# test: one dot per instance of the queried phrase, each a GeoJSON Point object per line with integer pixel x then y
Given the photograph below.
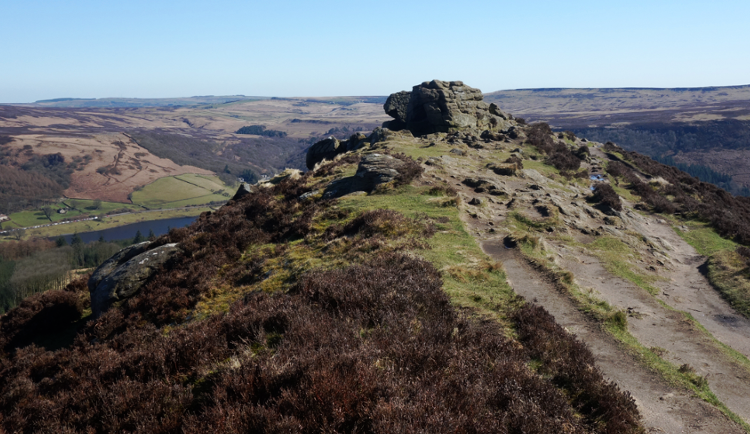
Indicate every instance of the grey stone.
{"type": "Point", "coordinates": [504, 169]}
{"type": "Point", "coordinates": [373, 170]}
{"type": "Point", "coordinates": [325, 149]}
{"type": "Point", "coordinates": [115, 261]}
{"type": "Point", "coordinates": [376, 169]}
{"type": "Point", "coordinates": [457, 152]}
{"type": "Point", "coordinates": [243, 190]}
{"type": "Point", "coordinates": [443, 106]}
{"type": "Point", "coordinates": [534, 176]}
{"type": "Point", "coordinates": [356, 141]}
{"type": "Point", "coordinates": [125, 279]}
{"type": "Point", "coordinates": [395, 106]}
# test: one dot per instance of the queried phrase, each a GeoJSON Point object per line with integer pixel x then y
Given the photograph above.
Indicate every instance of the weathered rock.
{"type": "Point", "coordinates": [442, 106]}
{"type": "Point", "coordinates": [325, 149]}
{"type": "Point", "coordinates": [356, 141]}
{"type": "Point", "coordinates": [242, 191]}
{"type": "Point", "coordinates": [278, 178]}
{"type": "Point", "coordinates": [124, 274]}
{"type": "Point", "coordinates": [373, 170]}
{"type": "Point", "coordinates": [504, 169]}
{"type": "Point", "coordinates": [492, 136]}
{"type": "Point", "coordinates": [395, 106]}
{"type": "Point", "coordinates": [376, 169]}
{"type": "Point", "coordinates": [495, 110]}
{"type": "Point", "coordinates": [482, 185]}
{"type": "Point", "coordinates": [115, 261]}
{"type": "Point", "coordinates": [534, 176]}
{"type": "Point", "coordinates": [457, 152]}
{"type": "Point", "coordinates": [475, 201]}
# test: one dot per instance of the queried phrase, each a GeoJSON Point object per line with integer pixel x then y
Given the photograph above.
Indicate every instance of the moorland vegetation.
{"type": "Point", "coordinates": [355, 297]}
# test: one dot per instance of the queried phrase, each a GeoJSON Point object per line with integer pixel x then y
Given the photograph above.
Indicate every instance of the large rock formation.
{"type": "Point", "coordinates": [442, 106]}
{"type": "Point", "coordinates": [328, 149]}
{"type": "Point", "coordinates": [325, 149]}
{"type": "Point", "coordinates": [122, 275]}
{"type": "Point", "coordinates": [373, 170]}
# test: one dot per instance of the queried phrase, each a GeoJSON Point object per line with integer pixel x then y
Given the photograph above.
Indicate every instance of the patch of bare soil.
{"type": "Point", "coordinates": [654, 325]}
{"type": "Point", "coordinates": [687, 289]}
{"type": "Point", "coordinates": [664, 408]}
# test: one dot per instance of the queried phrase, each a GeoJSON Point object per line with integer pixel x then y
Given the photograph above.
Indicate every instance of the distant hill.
{"type": "Point", "coordinates": [705, 127]}
{"type": "Point", "coordinates": [143, 102]}
{"type": "Point", "coordinates": [597, 107]}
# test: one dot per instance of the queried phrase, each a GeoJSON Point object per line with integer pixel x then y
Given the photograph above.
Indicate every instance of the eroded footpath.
{"type": "Point", "coordinates": [664, 408]}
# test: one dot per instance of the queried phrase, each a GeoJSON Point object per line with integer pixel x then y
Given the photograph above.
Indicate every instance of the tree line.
{"type": "Point", "coordinates": [34, 266]}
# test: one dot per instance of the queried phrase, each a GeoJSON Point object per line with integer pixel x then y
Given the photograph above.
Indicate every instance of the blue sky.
{"type": "Point", "coordinates": [174, 48]}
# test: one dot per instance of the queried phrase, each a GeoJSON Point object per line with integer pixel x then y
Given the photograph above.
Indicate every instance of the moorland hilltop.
{"type": "Point", "coordinates": [455, 270]}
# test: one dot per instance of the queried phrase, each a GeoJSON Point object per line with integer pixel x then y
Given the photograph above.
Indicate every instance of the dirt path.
{"type": "Point", "coordinates": [664, 408]}
{"type": "Point", "coordinates": [688, 290]}
{"type": "Point", "coordinates": [654, 325]}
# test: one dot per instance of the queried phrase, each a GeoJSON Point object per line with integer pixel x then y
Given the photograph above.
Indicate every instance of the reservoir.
{"type": "Point", "coordinates": [160, 227]}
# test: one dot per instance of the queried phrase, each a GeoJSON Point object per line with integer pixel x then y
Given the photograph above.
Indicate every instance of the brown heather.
{"type": "Point", "coordinates": [729, 215]}
{"type": "Point", "coordinates": [373, 348]}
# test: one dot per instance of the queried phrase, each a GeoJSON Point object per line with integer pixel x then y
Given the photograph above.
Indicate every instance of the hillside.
{"type": "Point", "coordinates": [92, 150]}
{"type": "Point", "coordinates": [460, 271]}
{"type": "Point", "coordinates": [706, 127]}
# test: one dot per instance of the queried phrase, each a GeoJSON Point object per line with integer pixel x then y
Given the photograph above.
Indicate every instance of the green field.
{"type": "Point", "coordinates": [182, 190]}
{"type": "Point", "coordinates": [110, 222]}
{"type": "Point", "coordinates": [82, 206]}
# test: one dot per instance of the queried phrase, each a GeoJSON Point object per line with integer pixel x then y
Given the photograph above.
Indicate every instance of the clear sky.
{"type": "Point", "coordinates": [170, 48]}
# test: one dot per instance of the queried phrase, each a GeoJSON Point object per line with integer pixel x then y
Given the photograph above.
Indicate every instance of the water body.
{"type": "Point", "coordinates": [160, 227]}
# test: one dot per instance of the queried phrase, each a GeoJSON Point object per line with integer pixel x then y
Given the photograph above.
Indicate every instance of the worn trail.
{"type": "Point", "coordinates": [664, 408]}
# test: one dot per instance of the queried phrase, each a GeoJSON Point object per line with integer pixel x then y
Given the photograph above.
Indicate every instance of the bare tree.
{"type": "Point", "coordinates": [18, 234]}
{"type": "Point", "coordinates": [97, 203]}
{"type": "Point", "coordinates": [48, 212]}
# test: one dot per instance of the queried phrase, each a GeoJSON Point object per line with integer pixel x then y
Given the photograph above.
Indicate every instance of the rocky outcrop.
{"type": "Point", "coordinates": [376, 169]}
{"type": "Point", "coordinates": [122, 275]}
{"type": "Point", "coordinates": [443, 106]}
{"type": "Point", "coordinates": [325, 149]}
{"type": "Point", "coordinates": [328, 149]}
{"type": "Point", "coordinates": [395, 107]}
{"type": "Point", "coordinates": [505, 169]}
{"type": "Point", "coordinates": [481, 185]}
{"type": "Point", "coordinates": [373, 170]}
{"type": "Point", "coordinates": [243, 190]}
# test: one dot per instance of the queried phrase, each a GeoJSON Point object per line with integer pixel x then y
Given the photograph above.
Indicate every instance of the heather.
{"type": "Point", "coordinates": [286, 314]}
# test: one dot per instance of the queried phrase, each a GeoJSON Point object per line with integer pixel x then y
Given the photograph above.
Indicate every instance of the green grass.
{"type": "Point", "coordinates": [614, 253]}
{"type": "Point", "coordinates": [703, 237]}
{"type": "Point", "coordinates": [85, 206]}
{"type": "Point", "coordinates": [730, 275]}
{"type": "Point", "coordinates": [468, 278]}
{"type": "Point", "coordinates": [106, 223]}
{"type": "Point", "coordinates": [182, 190]}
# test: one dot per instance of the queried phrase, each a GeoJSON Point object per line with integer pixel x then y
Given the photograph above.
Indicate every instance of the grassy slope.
{"type": "Point", "coordinates": [183, 190]}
